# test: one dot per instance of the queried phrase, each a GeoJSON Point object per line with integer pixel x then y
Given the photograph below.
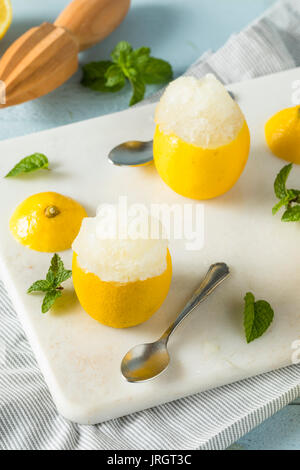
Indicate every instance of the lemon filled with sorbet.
{"type": "Point", "coordinates": [120, 280]}
{"type": "Point", "coordinates": [201, 141]}
{"type": "Point", "coordinates": [47, 222]}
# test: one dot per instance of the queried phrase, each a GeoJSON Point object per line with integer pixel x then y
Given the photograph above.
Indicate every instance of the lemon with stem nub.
{"type": "Point", "coordinates": [47, 222]}
{"type": "Point", "coordinates": [120, 282]}
{"type": "Point", "coordinates": [202, 141]}
{"type": "Point", "coordinates": [282, 133]}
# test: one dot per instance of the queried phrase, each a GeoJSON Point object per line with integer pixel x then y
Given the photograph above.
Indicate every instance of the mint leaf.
{"type": "Point", "coordinates": [63, 276]}
{"type": "Point", "coordinates": [94, 71]}
{"type": "Point", "coordinates": [156, 71]}
{"type": "Point", "coordinates": [249, 314]}
{"type": "Point", "coordinates": [49, 299]}
{"type": "Point", "coordinates": [55, 268]}
{"type": "Point", "coordinates": [42, 286]}
{"type": "Point", "coordinates": [258, 316]}
{"type": "Point", "coordinates": [283, 202]}
{"type": "Point", "coordinates": [292, 214]}
{"type": "Point", "coordinates": [119, 53]}
{"type": "Point", "coordinates": [50, 277]}
{"type": "Point", "coordinates": [138, 88]}
{"type": "Point", "coordinates": [94, 76]}
{"type": "Point", "coordinates": [57, 272]}
{"type": "Point", "coordinates": [56, 264]}
{"type": "Point", "coordinates": [114, 76]}
{"type": "Point", "coordinates": [280, 181]}
{"type": "Point", "coordinates": [140, 57]}
{"type": "Point", "coordinates": [141, 52]}
{"type": "Point", "coordinates": [52, 284]}
{"type": "Point", "coordinates": [296, 192]}
{"type": "Point", "coordinates": [36, 161]}
{"type": "Point", "coordinates": [264, 316]}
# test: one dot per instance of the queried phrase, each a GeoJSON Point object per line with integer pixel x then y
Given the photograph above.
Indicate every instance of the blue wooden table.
{"type": "Point", "coordinates": [176, 30]}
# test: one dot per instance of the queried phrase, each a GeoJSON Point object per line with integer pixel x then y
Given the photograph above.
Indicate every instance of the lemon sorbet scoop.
{"type": "Point", "coordinates": [47, 222]}
{"type": "Point", "coordinates": [282, 133]}
{"type": "Point", "coordinates": [201, 141]}
{"type": "Point", "coordinates": [120, 282]}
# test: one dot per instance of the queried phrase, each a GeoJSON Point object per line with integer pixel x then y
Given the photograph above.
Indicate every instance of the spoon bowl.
{"type": "Point", "coordinates": [145, 361]}
{"type": "Point", "coordinates": [132, 153]}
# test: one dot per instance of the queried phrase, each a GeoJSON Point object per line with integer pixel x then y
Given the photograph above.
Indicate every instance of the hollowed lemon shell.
{"type": "Point", "coordinates": [120, 305]}
{"type": "Point", "coordinates": [196, 172]}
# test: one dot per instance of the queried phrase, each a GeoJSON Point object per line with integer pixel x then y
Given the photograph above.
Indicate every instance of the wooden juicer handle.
{"type": "Point", "coordinates": [46, 56]}
{"type": "Point", "coordinates": [90, 21]}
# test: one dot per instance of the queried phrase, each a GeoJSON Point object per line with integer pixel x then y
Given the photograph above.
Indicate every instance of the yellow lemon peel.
{"type": "Point", "coordinates": [5, 16]}
{"type": "Point", "coordinates": [196, 172]}
{"type": "Point", "coordinates": [120, 305]}
{"type": "Point", "coordinates": [47, 222]}
{"type": "Point", "coordinates": [282, 133]}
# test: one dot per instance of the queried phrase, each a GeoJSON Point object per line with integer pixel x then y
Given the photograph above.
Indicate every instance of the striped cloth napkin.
{"type": "Point", "coordinates": [209, 420]}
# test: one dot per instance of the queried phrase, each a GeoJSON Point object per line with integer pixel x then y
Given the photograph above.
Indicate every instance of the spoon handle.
{"type": "Point", "coordinates": [214, 276]}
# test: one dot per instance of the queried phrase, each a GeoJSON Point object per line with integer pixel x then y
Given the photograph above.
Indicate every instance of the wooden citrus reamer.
{"type": "Point", "coordinates": [46, 56]}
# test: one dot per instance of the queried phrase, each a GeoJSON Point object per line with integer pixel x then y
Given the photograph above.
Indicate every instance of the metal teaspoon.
{"type": "Point", "coordinates": [146, 361]}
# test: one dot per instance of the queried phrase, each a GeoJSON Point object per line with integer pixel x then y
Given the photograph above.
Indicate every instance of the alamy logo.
{"type": "Point", "coordinates": [2, 92]}
{"type": "Point", "coordinates": [176, 221]}
{"type": "Point", "coordinates": [296, 354]}
{"type": "Point", "coordinates": [296, 92]}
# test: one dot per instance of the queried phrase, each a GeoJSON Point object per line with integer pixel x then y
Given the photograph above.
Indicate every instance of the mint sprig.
{"type": "Point", "coordinates": [36, 161]}
{"type": "Point", "coordinates": [258, 316]}
{"type": "Point", "coordinates": [52, 284]}
{"type": "Point", "coordinates": [134, 65]}
{"type": "Point", "coordinates": [288, 198]}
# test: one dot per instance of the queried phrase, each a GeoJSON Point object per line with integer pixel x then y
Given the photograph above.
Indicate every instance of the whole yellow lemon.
{"type": "Point", "coordinates": [282, 133]}
{"type": "Point", "coordinates": [47, 222]}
